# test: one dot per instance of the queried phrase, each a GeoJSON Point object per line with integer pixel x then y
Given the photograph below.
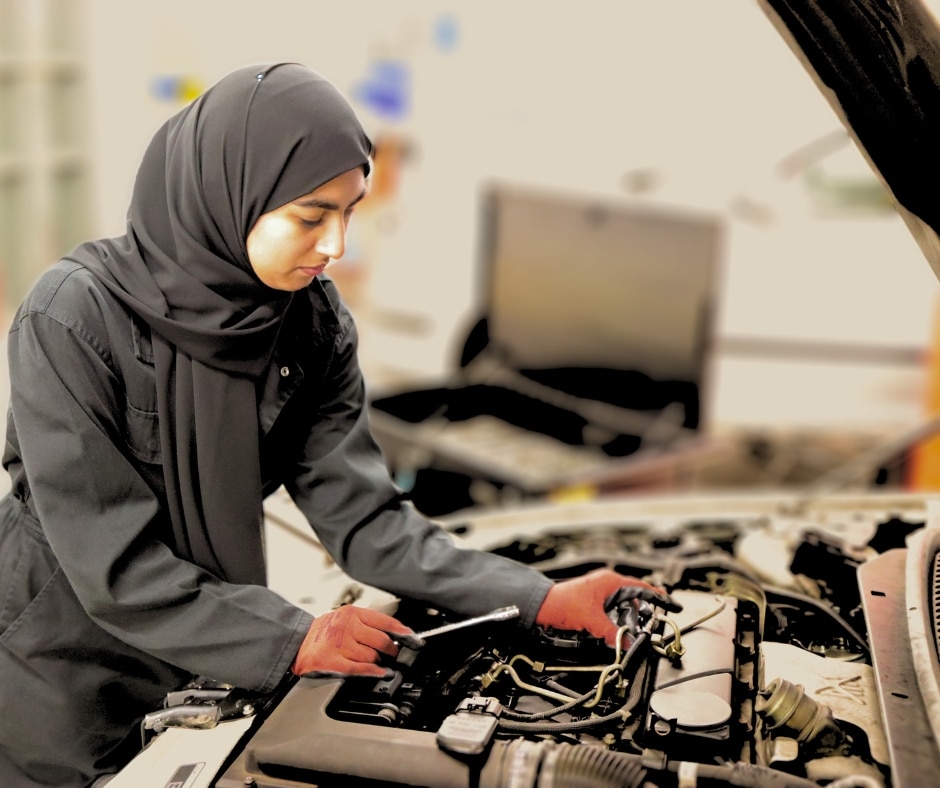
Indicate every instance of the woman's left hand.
{"type": "Point", "coordinates": [579, 604]}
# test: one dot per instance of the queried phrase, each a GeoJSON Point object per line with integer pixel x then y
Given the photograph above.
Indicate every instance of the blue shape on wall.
{"type": "Point", "coordinates": [386, 89]}
{"type": "Point", "coordinates": [446, 32]}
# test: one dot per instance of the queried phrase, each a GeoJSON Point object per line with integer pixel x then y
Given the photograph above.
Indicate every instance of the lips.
{"type": "Point", "coordinates": [313, 271]}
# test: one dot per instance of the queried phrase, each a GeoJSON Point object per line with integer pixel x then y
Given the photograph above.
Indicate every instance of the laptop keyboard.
{"type": "Point", "coordinates": [513, 454]}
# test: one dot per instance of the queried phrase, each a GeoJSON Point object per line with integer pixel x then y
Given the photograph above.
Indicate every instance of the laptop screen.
{"type": "Point", "coordinates": [575, 282]}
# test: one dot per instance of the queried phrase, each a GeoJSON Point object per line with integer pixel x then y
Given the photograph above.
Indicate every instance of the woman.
{"type": "Point", "coordinates": [163, 383]}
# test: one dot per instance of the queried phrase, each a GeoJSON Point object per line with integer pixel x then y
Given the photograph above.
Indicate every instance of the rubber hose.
{"type": "Point", "coordinates": [562, 689]}
{"type": "Point", "coordinates": [574, 766]}
{"type": "Point", "coordinates": [747, 775]}
{"type": "Point", "coordinates": [509, 714]}
{"type": "Point", "coordinates": [560, 727]}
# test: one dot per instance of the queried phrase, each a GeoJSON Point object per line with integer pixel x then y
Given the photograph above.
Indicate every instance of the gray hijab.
{"type": "Point", "coordinates": [261, 137]}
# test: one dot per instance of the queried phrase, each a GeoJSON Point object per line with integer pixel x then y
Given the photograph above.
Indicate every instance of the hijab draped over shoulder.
{"type": "Point", "coordinates": [261, 137]}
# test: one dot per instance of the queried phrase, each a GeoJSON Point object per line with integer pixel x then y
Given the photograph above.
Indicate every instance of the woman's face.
{"type": "Point", "coordinates": [289, 246]}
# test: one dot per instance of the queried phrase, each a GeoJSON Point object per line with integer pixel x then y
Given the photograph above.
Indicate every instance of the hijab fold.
{"type": "Point", "coordinates": [258, 139]}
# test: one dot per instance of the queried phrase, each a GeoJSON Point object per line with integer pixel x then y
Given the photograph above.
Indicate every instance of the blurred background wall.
{"type": "Point", "coordinates": [827, 304]}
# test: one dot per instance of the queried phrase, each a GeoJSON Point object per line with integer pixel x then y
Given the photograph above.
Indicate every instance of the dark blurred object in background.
{"type": "Point", "coordinates": [589, 358]}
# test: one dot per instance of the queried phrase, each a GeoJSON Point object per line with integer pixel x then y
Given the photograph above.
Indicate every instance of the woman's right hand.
{"type": "Point", "coordinates": [349, 641]}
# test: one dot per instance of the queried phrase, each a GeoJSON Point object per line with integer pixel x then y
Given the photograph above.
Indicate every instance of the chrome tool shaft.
{"type": "Point", "coordinates": [500, 614]}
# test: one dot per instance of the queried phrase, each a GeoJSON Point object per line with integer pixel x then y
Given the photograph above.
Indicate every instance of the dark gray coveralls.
{"type": "Point", "coordinates": [98, 618]}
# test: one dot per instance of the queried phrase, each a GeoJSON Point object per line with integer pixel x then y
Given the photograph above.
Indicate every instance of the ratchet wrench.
{"type": "Point", "coordinates": [500, 614]}
{"type": "Point", "coordinates": [411, 643]}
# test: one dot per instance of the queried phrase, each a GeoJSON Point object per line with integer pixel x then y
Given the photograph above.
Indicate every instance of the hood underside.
{"type": "Point", "coordinates": [878, 64]}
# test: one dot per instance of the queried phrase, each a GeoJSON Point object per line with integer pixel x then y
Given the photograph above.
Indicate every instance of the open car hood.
{"type": "Point", "coordinates": [877, 62]}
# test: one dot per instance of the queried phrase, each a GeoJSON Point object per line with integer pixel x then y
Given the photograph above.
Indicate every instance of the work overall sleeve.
{"type": "Point", "coordinates": [104, 522]}
{"type": "Point", "coordinates": [343, 488]}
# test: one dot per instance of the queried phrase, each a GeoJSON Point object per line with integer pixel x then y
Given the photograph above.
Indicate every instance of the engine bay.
{"type": "Point", "coordinates": [765, 676]}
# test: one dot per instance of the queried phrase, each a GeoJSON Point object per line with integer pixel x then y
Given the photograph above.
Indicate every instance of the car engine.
{"type": "Point", "coordinates": [764, 677]}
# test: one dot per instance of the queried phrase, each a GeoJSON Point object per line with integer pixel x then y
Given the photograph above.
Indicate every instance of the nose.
{"type": "Point", "coordinates": [332, 242]}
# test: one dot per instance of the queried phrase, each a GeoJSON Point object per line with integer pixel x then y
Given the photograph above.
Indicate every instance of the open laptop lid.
{"type": "Point", "coordinates": [878, 64]}
{"type": "Point", "coordinates": [576, 282]}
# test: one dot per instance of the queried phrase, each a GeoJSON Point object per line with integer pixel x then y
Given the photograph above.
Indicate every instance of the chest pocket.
{"type": "Point", "coordinates": [143, 434]}
{"type": "Point", "coordinates": [141, 424]}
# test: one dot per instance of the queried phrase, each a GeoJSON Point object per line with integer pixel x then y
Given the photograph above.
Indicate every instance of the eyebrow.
{"type": "Point", "coordinates": [325, 204]}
